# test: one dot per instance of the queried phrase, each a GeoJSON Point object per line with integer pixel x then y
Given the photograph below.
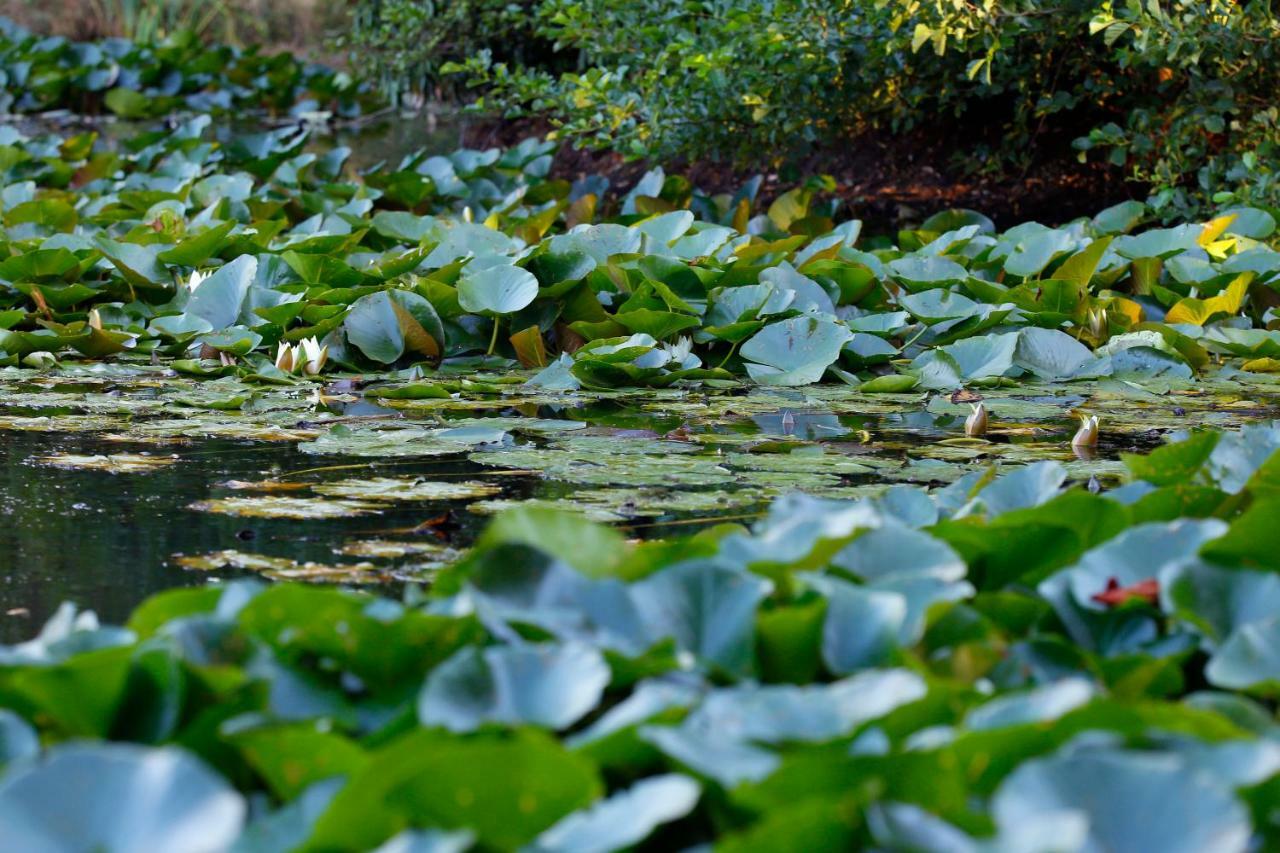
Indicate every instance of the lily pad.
{"type": "Point", "coordinates": [273, 506]}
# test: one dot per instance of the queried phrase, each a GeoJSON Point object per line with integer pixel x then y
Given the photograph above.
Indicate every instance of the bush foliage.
{"type": "Point", "coordinates": [1176, 93]}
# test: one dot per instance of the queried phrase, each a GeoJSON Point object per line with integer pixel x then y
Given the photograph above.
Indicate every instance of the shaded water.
{"type": "Point", "coordinates": [107, 540]}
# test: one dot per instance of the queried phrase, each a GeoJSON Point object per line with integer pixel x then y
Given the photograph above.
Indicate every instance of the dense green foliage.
{"type": "Point", "coordinates": [1001, 664]}
{"type": "Point", "coordinates": [178, 75]}
{"type": "Point", "coordinates": [1176, 94]}
{"type": "Point", "coordinates": [184, 248]}
{"type": "Point", "coordinates": [966, 657]}
{"type": "Point", "coordinates": [407, 43]}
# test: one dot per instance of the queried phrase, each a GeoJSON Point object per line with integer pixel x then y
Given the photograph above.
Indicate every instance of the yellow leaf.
{"type": "Point", "coordinates": [582, 210]}
{"type": "Point", "coordinates": [1199, 311]}
{"type": "Point", "coordinates": [1189, 310]}
{"type": "Point", "coordinates": [1219, 248]}
{"type": "Point", "coordinates": [416, 338]}
{"type": "Point", "coordinates": [759, 248]}
{"type": "Point", "coordinates": [741, 215]}
{"type": "Point", "coordinates": [1214, 228]}
{"type": "Point", "coordinates": [1080, 267]}
{"type": "Point", "coordinates": [789, 207]}
{"type": "Point", "coordinates": [1231, 299]}
{"type": "Point", "coordinates": [1127, 308]}
{"type": "Point", "coordinates": [1263, 365]}
{"type": "Point", "coordinates": [529, 347]}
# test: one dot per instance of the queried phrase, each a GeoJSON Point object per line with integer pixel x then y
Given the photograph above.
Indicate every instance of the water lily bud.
{"type": "Point", "coordinates": [312, 356]}
{"type": "Point", "coordinates": [40, 360]}
{"type": "Point", "coordinates": [284, 357]}
{"type": "Point", "coordinates": [976, 423]}
{"type": "Point", "coordinates": [95, 320]}
{"type": "Point", "coordinates": [226, 358]}
{"type": "Point", "coordinates": [1098, 325]}
{"type": "Point", "coordinates": [1087, 435]}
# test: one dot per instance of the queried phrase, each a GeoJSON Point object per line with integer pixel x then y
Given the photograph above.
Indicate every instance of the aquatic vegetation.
{"type": "Point", "coordinates": [284, 507]}
{"type": "Point", "coordinates": [261, 260]}
{"type": "Point", "coordinates": [116, 463]}
{"type": "Point", "coordinates": [972, 662]}
{"type": "Point", "coordinates": [182, 73]}
{"type": "Point", "coordinates": [797, 534]}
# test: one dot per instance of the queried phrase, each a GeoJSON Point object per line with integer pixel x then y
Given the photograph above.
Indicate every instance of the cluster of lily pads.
{"type": "Point", "coordinates": [215, 256]}
{"type": "Point", "coordinates": [181, 74]}
{"type": "Point", "coordinates": [1002, 664]}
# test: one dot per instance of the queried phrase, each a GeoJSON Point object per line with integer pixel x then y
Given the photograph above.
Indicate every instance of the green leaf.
{"type": "Point", "coordinates": [140, 799]}
{"type": "Point", "coordinates": [1080, 267]}
{"type": "Point", "coordinates": [593, 549]}
{"type": "Point", "coordinates": [292, 757]}
{"type": "Point", "coordinates": [1174, 464]}
{"type": "Point", "coordinates": [127, 103]}
{"type": "Point", "coordinates": [390, 323]}
{"type": "Point", "coordinates": [496, 290]}
{"type": "Point", "coordinates": [506, 787]}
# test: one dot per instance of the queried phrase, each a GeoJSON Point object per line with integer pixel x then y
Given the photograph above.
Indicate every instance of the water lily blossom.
{"type": "Point", "coordinates": [310, 357]}
{"type": "Point", "coordinates": [1087, 435]}
{"type": "Point", "coordinates": [679, 350]}
{"type": "Point", "coordinates": [976, 424]}
{"type": "Point", "coordinates": [95, 320]}
{"type": "Point", "coordinates": [307, 358]}
{"type": "Point", "coordinates": [194, 281]}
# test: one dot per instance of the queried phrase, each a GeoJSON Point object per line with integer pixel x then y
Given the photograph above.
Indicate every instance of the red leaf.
{"type": "Point", "coordinates": [1115, 595]}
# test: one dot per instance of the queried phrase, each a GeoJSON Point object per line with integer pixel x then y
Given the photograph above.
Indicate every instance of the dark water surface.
{"type": "Point", "coordinates": [107, 541]}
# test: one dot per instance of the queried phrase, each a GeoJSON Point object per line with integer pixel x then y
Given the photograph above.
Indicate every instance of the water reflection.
{"type": "Point", "coordinates": [106, 541]}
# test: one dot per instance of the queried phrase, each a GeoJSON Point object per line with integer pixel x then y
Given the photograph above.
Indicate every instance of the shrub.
{"type": "Point", "coordinates": [1178, 95]}
{"type": "Point", "coordinates": [404, 43]}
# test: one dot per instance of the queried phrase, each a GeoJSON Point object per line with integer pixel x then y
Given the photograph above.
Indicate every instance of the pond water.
{"type": "Point", "coordinates": [109, 540]}
{"type": "Point", "coordinates": [653, 462]}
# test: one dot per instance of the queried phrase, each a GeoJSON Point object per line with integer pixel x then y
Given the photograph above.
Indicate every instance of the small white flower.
{"type": "Point", "coordinates": [1087, 435]}
{"type": "Point", "coordinates": [976, 423]}
{"type": "Point", "coordinates": [95, 320]}
{"type": "Point", "coordinates": [194, 281]}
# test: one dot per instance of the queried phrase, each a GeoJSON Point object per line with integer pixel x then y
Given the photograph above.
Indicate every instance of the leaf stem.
{"type": "Point", "coordinates": [493, 341]}
{"type": "Point", "coordinates": [728, 355]}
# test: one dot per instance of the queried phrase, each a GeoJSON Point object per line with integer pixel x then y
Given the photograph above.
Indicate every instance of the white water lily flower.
{"type": "Point", "coordinates": [1087, 435]}
{"type": "Point", "coordinates": [679, 350]}
{"type": "Point", "coordinates": [284, 357]}
{"type": "Point", "coordinates": [976, 423]}
{"type": "Point", "coordinates": [194, 281]}
{"type": "Point", "coordinates": [95, 320]}
{"type": "Point", "coordinates": [310, 357]}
